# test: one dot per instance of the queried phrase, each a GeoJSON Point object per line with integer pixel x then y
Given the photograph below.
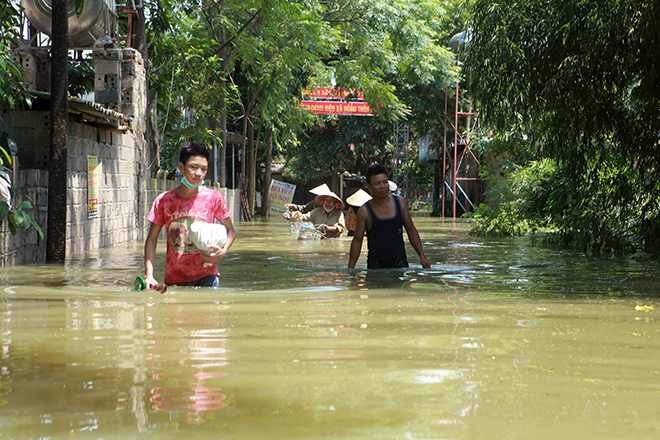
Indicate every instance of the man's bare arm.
{"type": "Point", "coordinates": [413, 235]}
{"type": "Point", "coordinates": [150, 254]}
{"type": "Point", "coordinates": [356, 244]}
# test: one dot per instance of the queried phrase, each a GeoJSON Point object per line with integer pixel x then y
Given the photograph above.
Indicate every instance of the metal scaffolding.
{"type": "Point", "coordinates": [460, 176]}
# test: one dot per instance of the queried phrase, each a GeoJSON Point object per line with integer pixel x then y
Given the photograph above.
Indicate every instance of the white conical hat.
{"type": "Point", "coordinates": [320, 190]}
{"type": "Point", "coordinates": [392, 185]}
{"type": "Point", "coordinates": [326, 192]}
{"type": "Point", "coordinates": [358, 198]}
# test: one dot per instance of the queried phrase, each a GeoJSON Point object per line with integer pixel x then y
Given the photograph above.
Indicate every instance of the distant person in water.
{"type": "Point", "coordinates": [304, 209]}
{"type": "Point", "coordinates": [327, 217]}
{"type": "Point", "coordinates": [176, 210]}
{"type": "Point", "coordinates": [383, 218]}
{"type": "Point", "coordinates": [357, 199]}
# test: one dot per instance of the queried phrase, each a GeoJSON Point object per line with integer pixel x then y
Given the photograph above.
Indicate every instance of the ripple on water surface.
{"type": "Point", "coordinates": [498, 339]}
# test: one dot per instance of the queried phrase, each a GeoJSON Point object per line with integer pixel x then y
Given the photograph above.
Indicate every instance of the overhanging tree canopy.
{"type": "Point", "coordinates": [581, 80]}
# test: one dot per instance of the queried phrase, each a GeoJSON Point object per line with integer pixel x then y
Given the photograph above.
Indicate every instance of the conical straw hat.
{"type": "Point", "coordinates": [320, 190]}
{"type": "Point", "coordinates": [359, 198]}
{"type": "Point", "coordinates": [326, 192]}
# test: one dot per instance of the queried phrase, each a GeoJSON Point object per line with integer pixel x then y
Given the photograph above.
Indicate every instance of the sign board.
{"type": "Point", "coordinates": [332, 101]}
{"type": "Point", "coordinates": [424, 143]}
{"type": "Point", "coordinates": [332, 93]}
{"type": "Point", "coordinates": [280, 194]}
{"type": "Point", "coordinates": [337, 108]}
{"type": "Point", "coordinates": [92, 186]}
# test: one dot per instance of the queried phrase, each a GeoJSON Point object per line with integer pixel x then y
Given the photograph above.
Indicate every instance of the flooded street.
{"type": "Point", "coordinates": [500, 339]}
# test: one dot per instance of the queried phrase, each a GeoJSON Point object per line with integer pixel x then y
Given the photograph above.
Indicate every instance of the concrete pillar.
{"type": "Point", "coordinates": [107, 77]}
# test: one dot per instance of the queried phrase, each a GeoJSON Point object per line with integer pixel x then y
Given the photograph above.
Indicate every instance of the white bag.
{"type": "Point", "coordinates": [309, 232]}
{"type": "Point", "coordinates": [204, 234]}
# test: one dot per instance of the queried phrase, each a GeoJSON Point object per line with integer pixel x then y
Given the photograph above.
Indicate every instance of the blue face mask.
{"type": "Point", "coordinates": [188, 185]}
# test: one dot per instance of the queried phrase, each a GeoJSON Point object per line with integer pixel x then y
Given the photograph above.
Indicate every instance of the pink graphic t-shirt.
{"type": "Point", "coordinates": [176, 214]}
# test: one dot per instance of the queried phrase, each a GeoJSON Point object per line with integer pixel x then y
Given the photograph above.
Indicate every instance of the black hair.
{"type": "Point", "coordinates": [374, 170]}
{"type": "Point", "coordinates": [190, 149]}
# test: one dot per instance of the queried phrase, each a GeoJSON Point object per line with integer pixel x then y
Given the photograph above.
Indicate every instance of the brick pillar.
{"type": "Point", "coordinates": [23, 57]}
{"type": "Point", "coordinates": [107, 77]}
{"type": "Point", "coordinates": [133, 85]}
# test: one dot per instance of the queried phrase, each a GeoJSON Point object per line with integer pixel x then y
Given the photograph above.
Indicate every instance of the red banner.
{"type": "Point", "coordinates": [332, 93]}
{"type": "Point", "coordinates": [337, 108]}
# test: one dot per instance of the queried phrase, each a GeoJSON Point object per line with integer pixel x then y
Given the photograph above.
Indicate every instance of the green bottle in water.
{"type": "Point", "coordinates": [139, 284]}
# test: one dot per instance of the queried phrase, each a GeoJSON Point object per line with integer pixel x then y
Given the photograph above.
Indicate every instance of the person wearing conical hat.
{"type": "Point", "coordinates": [357, 199]}
{"type": "Point", "coordinates": [304, 209]}
{"type": "Point", "coordinates": [392, 186]}
{"type": "Point", "coordinates": [328, 216]}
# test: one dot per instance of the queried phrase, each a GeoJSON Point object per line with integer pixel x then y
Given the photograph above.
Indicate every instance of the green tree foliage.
{"type": "Point", "coordinates": [12, 89]}
{"type": "Point", "coordinates": [13, 92]}
{"type": "Point", "coordinates": [338, 143]}
{"type": "Point", "coordinates": [267, 45]}
{"type": "Point", "coordinates": [580, 80]}
{"type": "Point", "coordinates": [395, 51]}
{"type": "Point", "coordinates": [521, 203]}
{"type": "Point", "coordinates": [81, 77]}
{"type": "Point", "coordinates": [183, 65]}
{"type": "Point", "coordinates": [269, 50]}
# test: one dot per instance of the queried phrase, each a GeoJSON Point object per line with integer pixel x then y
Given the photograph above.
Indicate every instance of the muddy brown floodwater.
{"type": "Point", "coordinates": [500, 339]}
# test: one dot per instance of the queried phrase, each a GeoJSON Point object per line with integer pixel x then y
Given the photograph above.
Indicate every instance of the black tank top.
{"type": "Point", "coordinates": [385, 239]}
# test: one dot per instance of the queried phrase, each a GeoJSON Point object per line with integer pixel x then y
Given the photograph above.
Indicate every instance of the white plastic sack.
{"type": "Point", "coordinates": [204, 234]}
{"type": "Point", "coordinates": [5, 184]}
{"type": "Point", "coordinates": [295, 227]}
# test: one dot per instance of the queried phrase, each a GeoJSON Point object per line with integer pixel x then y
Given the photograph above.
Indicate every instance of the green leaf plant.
{"type": "Point", "coordinates": [14, 92]}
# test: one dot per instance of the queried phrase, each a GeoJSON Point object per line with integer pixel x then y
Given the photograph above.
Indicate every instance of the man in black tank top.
{"type": "Point", "coordinates": [383, 219]}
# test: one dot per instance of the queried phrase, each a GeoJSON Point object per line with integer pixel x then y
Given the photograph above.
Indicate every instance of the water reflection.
{"type": "Point", "coordinates": [186, 357]}
{"type": "Point", "coordinates": [499, 339]}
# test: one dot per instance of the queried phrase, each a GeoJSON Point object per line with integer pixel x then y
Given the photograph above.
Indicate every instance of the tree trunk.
{"type": "Point", "coordinates": [139, 42]}
{"type": "Point", "coordinates": [243, 146]}
{"type": "Point", "coordinates": [59, 136]}
{"type": "Point", "coordinates": [151, 135]}
{"type": "Point", "coordinates": [265, 204]}
{"type": "Point", "coordinates": [139, 39]}
{"type": "Point", "coordinates": [222, 151]}
{"type": "Point", "coordinates": [212, 173]}
{"type": "Point", "coordinates": [251, 165]}
{"type": "Point", "coordinates": [437, 179]}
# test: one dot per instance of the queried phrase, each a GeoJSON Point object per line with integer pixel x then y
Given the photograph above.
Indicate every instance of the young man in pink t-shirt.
{"type": "Point", "coordinates": [177, 209]}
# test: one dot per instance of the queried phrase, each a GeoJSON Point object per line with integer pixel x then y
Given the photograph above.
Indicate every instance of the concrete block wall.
{"type": "Point", "coordinates": [233, 201]}
{"type": "Point", "coordinates": [124, 201]}
{"type": "Point", "coordinates": [30, 130]}
{"type": "Point", "coordinates": [35, 64]}
{"type": "Point", "coordinates": [107, 77]}
{"type": "Point", "coordinates": [133, 84]}
{"type": "Point", "coordinates": [125, 196]}
{"type": "Point", "coordinates": [420, 199]}
{"type": "Point", "coordinates": [120, 188]}
{"type": "Point", "coordinates": [26, 246]}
